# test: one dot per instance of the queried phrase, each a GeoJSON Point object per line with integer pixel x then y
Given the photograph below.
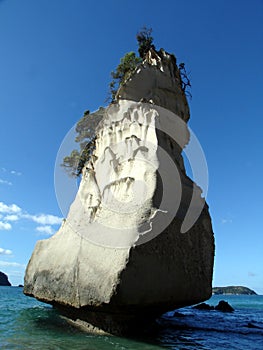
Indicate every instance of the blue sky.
{"type": "Point", "coordinates": [56, 58]}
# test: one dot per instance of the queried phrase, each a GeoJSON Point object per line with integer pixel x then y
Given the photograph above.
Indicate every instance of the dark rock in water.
{"type": "Point", "coordinates": [21, 286]}
{"type": "Point", "coordinates": [221, 306]}
{"type": "Point", "coordinates": [203, 306]}
{"type": "Point", "coordinates": [224, 306]}
{"type": "Point", "coordinates": [251, 325]}
{"type": "Point", "coordinates": [4, 280]}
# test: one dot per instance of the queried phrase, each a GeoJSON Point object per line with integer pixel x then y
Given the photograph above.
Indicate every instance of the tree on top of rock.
{"type": "Point", "coordinates": [130, 61]}
{"type": "Point", "coordinates": [127, 65]}
{"type": "Point", "coordinates": [145, 41]}
{"type": "Point", "coordinates": [86, 127]}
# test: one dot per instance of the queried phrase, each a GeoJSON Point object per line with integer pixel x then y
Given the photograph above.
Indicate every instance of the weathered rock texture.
{"type": "Point", "coordinates": [120, 258]}
{"type": "Point", "coordinates": [4, 280]}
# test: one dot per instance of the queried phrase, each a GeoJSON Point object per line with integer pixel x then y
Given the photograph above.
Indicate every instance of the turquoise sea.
{"type": "Point", "coordinates": [28, 324]}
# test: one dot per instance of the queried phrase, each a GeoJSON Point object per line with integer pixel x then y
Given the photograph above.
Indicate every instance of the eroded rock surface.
{"type": "Point", "coordinates": [120, 258]}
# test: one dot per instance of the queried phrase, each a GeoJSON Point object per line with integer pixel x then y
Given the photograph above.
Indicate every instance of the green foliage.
{"type": "Point", "coordinates": [70, 163]}
{"type": "Point", "coordinates": [145, 41]}
{"type": "Point", "coordinates": [127, 65]}
{"type": "Point", "coordinates": [86, 126]}
{"type": "Point", "coordinates": [130, 61]}
{"type": "Point", "coordinates": [85, 130]}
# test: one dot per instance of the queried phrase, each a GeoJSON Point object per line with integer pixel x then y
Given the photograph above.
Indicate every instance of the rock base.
{"type": "Point", "coordinates": [103, 323]}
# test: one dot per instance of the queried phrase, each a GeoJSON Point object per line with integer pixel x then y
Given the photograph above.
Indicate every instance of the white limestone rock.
{"type": "Point", "coordinates": [157, 80]}
{"type": "Point", "coordinates": [121, 251]}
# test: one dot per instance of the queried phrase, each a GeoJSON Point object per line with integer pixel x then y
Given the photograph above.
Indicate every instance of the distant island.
{"type": "Point", "coordinates": [4, 280]}
{"type": "Point", "coordinates": [236, 290]}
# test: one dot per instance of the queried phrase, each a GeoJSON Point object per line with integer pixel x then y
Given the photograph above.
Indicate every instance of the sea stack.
{"type": "Point", "coordinates": [138, 240]}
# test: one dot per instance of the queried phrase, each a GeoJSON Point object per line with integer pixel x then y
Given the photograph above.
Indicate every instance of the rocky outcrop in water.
{"type": "Point", "coordinates": [221, 306]}
{"type": "Point", "coordinates": [4, 280]}
{"type": "Point", "coordinates": [224, 306]}
{"type": "Point", "coordinates": [204, 306]}
{"type": "Point", "coordinates": [130, 249]}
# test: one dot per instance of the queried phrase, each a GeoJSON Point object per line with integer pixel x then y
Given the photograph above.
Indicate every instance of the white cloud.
{"type": "Point", "coordinates": [14, 264]}
{"type": "Point", "coordinates": [9, 209]}
{"type": "Point", "coordinates": [45, 229]}
{"type": "Point", "coordinates": [5, 226]}
{"type": "Point", "coordinates": [11, 213]}
{"type": "Point", "coordinates": [5, 251]}
{"type": "Point", "coordinates": [14, 172]}
{"type": "Point", "coordinates": [44, 219]}
{"type": "Point", "coordinates": [5, 182]}
{"type": "Point", "coordinates": [226, 221]}
{"type": "Point", "coordinates": [11, 217]}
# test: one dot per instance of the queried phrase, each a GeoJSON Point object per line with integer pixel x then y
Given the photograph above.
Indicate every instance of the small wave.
{"type": "Point", "coordinates": [212, 322]}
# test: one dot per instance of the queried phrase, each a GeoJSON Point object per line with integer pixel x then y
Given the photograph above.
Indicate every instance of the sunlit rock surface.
{"type": "Point", "coordinates": [121, 257]}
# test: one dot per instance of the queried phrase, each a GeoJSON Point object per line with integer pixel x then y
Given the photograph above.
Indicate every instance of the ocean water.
{"type": "Point", "coordinates": [28, 324]}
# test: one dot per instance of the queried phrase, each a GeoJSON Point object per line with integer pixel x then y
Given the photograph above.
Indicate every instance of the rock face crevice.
{"type": "Point", "coordinates": [120, 257]}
